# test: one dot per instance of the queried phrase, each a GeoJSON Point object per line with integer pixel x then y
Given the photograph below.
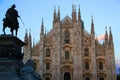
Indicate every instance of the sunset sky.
{"type": "Point", "coordinates": [105, 13]}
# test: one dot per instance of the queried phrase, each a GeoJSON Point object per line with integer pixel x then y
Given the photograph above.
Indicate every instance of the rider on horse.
{"type": "Point", "coordinates": [11, 20]}
{"type": "Point", "coordinates": [12, 15]}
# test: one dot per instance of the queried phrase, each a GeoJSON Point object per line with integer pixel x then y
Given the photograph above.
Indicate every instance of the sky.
{"type": "Point", "coordinates": [105, 13]}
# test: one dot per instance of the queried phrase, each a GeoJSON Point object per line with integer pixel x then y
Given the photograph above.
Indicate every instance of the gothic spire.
{"type": "Point", "coordinates": [106, 36]}
{"type": "Point", "coordinates": [33, 42]}
{"type": "Point", "coordinates": [42, 27]}
{"type": "Point", "coordinates": [110, 37]}
{"type": "Point", "coordinates": [26, 37]}
{"type": "Point", "coordinates": [29, 33]}
{"type": "Point", "coordinates": [58, 15]}
{"type": "Point", "coordinates": [74, 13]}
{"type": "Point", "coordinates": [92, 26]}
{"type": "Point", "coordinates": [110, 34]}
{"type": "Point", "coordinates": [79, 14]}
{"type": "Point", "coordinates": [42, 30]}
{"type": "Point", "coordinates": [29, 39]}
{"type": "Point", "coordinates": [54, 15]}
{"type": "Point", "coordinates": [73, 8]}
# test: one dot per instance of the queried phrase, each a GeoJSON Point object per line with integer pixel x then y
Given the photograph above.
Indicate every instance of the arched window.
{"type": "Point", "coordinates": [100, 65]}
{"type": "Point", "coordinates": [87, 65]}
{"type": "Point", "coordinates": [47, 78]}
{"type": "Point", "coordinates": [67, 55]}
{"type": "Point", "coordinates": [47, 66]}
{"type": "Point", "coordinates": [86, 52]}
{"type": "Point", "coordinates": [67, 36]}
{"type": "Point", "coordinates": [101, 79]}
{"type": "Point", "coordinates": [48, 53]}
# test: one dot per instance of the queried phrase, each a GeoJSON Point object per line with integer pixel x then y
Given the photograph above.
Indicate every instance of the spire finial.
{"type": "Point", "coordinates": [58, 10]}
{"type": "Point", "coordinates": [54, 8]}
{"type": "Point", "coordinates": [26, 36]}
{"type": "Point", "coordinates": [110, 29]}
{"type": "Point", "coordinates": [58, 7]}
{"type": "Point", "coordinates": [73, 7]}
{"type": "Point", "coordinates": [42, 20]}
{"type": "Point", "coordinates": [110, 38]}
{"type": "Point", "coordinates": [79, 14]}
{"type": "Point", "coordinates": [106, 29]}
{"type": "Point", "coordinates": [79, 8]}
{"type": "Point", "coordinates": [29, 31]}
{"type": "Point", "coordinates": [73, 13]}
{"type": "Point", "coordinates": [26, 31]}
{"type": "Point", "coordinates": [42, 27]}
{"type": "Point", "coordinates": [33, 41]}
{"type": "Point", "coordinates": [54, 14]}
{"type": "Point", "coordinates": [45, 31]}
{"type": "Point", "coordinates": [92, 25]}
{"type": "Point", "coordinates": [58, 15]}
{"type": "Point", "coordinates": [92, 18]}
{"type": "Point", "coordinates": [42, 23]}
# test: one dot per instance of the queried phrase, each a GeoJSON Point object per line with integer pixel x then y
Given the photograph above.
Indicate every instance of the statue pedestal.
{"type": "Point", "coordinates": [10, 57]}
{"type": "Point", "coordinates": [9, 70]}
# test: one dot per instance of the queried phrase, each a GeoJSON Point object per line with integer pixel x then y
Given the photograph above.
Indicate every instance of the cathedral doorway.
{"type": "Point", "coordinates": [47, 78]}
{"type": "Point", "coordinates": [101, 78]}
{"type": "Point", "coordinates": [67, 76]}
{"type": "Point", "coordinates": [87, 78]}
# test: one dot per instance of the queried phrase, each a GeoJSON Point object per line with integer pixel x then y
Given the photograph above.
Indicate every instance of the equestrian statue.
{"type": "Point", "coordinates": [11, 20]}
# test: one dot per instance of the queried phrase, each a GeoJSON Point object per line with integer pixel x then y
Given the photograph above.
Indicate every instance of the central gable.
{"type": "Point", "coordinates": [66, 22]}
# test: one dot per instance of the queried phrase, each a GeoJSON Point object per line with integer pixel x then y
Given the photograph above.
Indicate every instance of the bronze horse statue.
{"type": "Point", "coordinates": [8, 23]}
{"type": "Point", "coordinates": [10, 20]}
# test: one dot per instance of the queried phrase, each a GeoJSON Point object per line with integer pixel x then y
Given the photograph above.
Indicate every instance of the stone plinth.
{"type": "Point", "coordinates": [10, 47]}
{"type": "Point", "coordinates": [9, 69]}
{"type": "Point", "coordinates": [10, 57]}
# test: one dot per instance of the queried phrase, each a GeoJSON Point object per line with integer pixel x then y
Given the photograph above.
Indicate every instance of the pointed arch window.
{"type": "Point", "coordinates": [67, 36]}
{"type": "Point", "coordinates": [86, 52]}
{"type": "Point", "coordinates": [101, 65]}
{"type": "Point", "coordinates": [67, 55]}
{"type": "Point", "coordinates": [48, 53]}
{"type": "Point", "coordinates": [87, 65]}
{"type": "Point", "coordinates": [47, 66]}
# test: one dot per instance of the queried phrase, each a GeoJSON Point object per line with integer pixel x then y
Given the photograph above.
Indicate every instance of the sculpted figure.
{"type": "Point", "coordinates": [28, 72]}
{"type": "Point", "coordinates": [11, 20]}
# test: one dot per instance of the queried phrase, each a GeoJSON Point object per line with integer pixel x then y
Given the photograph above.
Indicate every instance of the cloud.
{"type": "Point", "coordinates": [101, 38]}
{"type": "Point", "coordinates": [117, 62]}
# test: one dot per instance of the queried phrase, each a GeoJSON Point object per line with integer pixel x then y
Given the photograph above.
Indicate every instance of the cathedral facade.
{"type": "Point", "coordinates": [69, 52]}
